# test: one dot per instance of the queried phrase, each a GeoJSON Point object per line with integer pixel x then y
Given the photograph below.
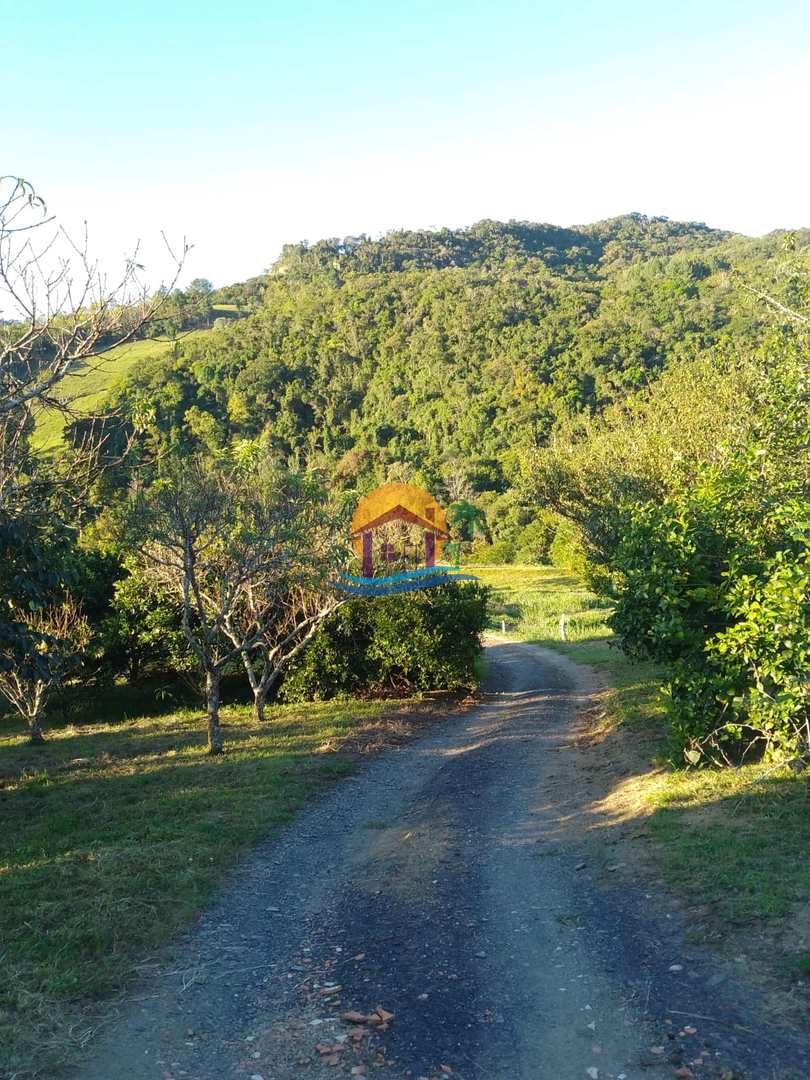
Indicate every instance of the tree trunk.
{"type": "Point", "coordinates": [262, 689]}
{"type": "Point", "coordinates": [212, 699]}
{"type": "Point", "coordinates": [259, 700]}
{"type": "Point", "coordinates": [35, 735]}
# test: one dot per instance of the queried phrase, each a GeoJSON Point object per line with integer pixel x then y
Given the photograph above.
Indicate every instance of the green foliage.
{"type": "Point", "coordinates": [183, 310]}
{"type": "Point", "coordinates": [35, 571]}
{"type": "Point", "coordinates": [688, 502]}
{"type": "Point", "coordinates": [484, 554]}
{"type": "Point", "coordinates": [654, 442]}
{"type": "Point", "coordinates": [533, 541]}
{"type": "Point", "coordinates": [427, 640]}
{"type": "Point", "coordinates": [713, 581]}
{"type": "Point", "coordinates": [565, 550]}
{"type": "Point", "coordinates": [143, 634]}
{"type": "Point", "coordinates": [605, 373]}
{"type": "Point", "coordinates": [473, 346]}
{"type": "Point", "coordinates": [764, 654]}
{"type": "Point", "coordinates": [467, 521]}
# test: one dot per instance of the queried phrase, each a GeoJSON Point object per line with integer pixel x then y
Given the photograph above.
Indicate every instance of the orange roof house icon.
{"type": "Point", "coordinates": [398, 502]}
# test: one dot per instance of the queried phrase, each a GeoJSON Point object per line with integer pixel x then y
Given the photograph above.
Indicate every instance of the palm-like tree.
{"type": "Point", "coordinates": [468, 521]}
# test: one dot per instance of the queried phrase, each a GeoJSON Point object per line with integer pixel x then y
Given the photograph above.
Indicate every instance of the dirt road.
{"type": "Point", "coordinates": [438, 884]}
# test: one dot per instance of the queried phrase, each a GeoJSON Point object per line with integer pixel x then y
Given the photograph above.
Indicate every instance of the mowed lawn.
{"type": "Point", "coordinates": [114, 835]}
{"type": "Point", "coordinates": [731, 841]}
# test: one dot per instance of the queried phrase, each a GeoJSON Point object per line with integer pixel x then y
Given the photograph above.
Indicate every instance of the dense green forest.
{"type": "Point", "coordinates": [626, 399]}
{"type": "Point", "coordinates": [449, 357]}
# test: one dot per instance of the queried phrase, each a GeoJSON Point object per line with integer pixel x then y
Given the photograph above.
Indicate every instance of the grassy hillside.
{"type": "Point", "coordinates": [88, 389]}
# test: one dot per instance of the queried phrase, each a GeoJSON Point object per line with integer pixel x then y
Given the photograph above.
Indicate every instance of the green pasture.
{"type": "Point", "coordinates": [87, 388]}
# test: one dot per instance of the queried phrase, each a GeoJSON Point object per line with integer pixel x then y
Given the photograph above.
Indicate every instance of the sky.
{"type": "Point", "coordinates": [245, 125]}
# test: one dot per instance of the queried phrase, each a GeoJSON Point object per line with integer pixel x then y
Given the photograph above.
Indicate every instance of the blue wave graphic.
{"type": "Point", "coordinates": [425, 577]}
{"type": "Point", "coordinates": [404, 575]}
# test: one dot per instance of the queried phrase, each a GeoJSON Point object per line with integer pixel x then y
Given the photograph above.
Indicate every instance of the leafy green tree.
{"type": "Point", "coordinates": [533, 541]}
{"type": "Point", "coordinates": [713, 582]}
{"type": "Point", "coordinates": [143, 631]}
{"type": "Point", "coordinates": [652, 443]}
{"type": "Point", "coordinates": [483, 554]}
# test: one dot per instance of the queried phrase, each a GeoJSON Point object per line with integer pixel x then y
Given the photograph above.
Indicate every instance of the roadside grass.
{"type": "Point", "coordinates": [114, 835]}
{"type": "Point", "coordinates": [737, 839]}
{"type": "Point", "coordinates": [730, 842]}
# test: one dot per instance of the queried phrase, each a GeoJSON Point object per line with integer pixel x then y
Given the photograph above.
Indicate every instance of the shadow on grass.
{"type": "Point", "coordinates": [113, 703]}
{"type": "Point", "coordinates": [739, 837]}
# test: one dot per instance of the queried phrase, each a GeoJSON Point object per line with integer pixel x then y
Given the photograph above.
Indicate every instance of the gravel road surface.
{"type": "Point", "coordinates": [433, 885]}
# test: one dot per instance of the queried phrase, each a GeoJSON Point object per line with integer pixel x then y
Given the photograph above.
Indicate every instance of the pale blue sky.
{"type": "Point", "coordinates": [243, 125]}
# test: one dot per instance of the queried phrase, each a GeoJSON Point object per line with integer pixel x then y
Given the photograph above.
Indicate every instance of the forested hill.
{"type": "Point", "coordinates": [444, 356]}
{"type": "Point", "coordinates": [578, 249]}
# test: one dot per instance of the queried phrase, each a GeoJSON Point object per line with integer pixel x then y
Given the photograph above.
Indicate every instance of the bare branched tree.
{"type": "Point", "coordinates": [281, 611]}
{"type": "Point", "coordinates": [61, 633]}
{"type": "Point", "coordinates": [223, 537]}
{"type": "Point", "coordinates": [59, 312]}
{"type": "Point", "coordinates": [456, 481]}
